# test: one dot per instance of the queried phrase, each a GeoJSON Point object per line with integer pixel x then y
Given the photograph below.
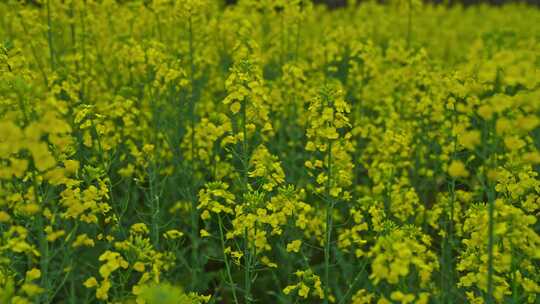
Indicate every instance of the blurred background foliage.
{"type": "Point", "coordinates": [341, 3]}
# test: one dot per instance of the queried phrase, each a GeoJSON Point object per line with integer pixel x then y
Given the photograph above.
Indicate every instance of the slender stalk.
{"type": "Point", "coordinates": [193, 213]}
{"type": "Point", "coordinates": [192, 93]}
{"type": "Point", "coordinates": [34, 51]}
{"type": "Point", "coordinates": [447, 278]}
{"type": "Point", "coordinates": [515, 283]}
{"type": "Point", "coordinates": [71, 14]}
{"type": "Point", "coordinates": [353, 284]}
{"type": "Point", "coordinates": [328, 230]}
{"type": "Point", "coordinates": [43, 244]}
{"type": "Point", "coordinates": [297, 41]}
{"type": "Point", "coordinates": [282, 30]}
{"type": "Point", "coordinates": [50, 35]}
{"type": "Point", "coordinates": [490, 192]}
{"type": "Point", "coordinates": [244, 147]}
{"type": "Point", "coordinates": [247, 268]}
{"type": "Point", "coordinates": [409, 25]}
{"type": "Point", "coordinates": [247, 255]}
{"type": "Point", "coordinates": [158, 25]}
{"type": "Point", "coordinates": [155, 182]}
{"type": "Point", "coordinates": [155, 206]}
{"type": "Point", "coordinates": [83, 47]}
{"type": "Point", "coordinates": [491, 211]}
{"type": "Point", "coordinates": [68, 251]}
{"type": "Point", "coordinates": [226, 260]}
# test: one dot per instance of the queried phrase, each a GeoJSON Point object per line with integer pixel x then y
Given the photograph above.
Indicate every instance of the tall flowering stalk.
{"type": "Point", "coordinates": [248, 109]}
{"type": "Point", "coordinates": [328, 141]}
{"type": "Point", "coordinates": [192, 11]}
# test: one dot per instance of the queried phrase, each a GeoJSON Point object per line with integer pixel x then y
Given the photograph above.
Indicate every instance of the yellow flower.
{"type": "Point", "coordinates": [287, 290]}
{"type": "Point", "coordinates": [294, 246]}
{"type": "Point", "coordinates": [148, 149]}
{"type": "Point", "coordinates": [71, 166]}
{"type": "Point", "coordinates": [457, 169]}
{"type": "Point", "coordinates": [485, 111]}
{"type": "Point", "coordinates": [470, 139]}
{"type": "Point", "coordinates": [266, 261]}
{"type": "Point", "coordinates": [530, 157]}
{"type": "Point", "coordinates": [383, 300]}
{"type": "Point", "coordinates": [33, 274]}
{"type": "Point", "coordinates": [503, 125]}
{"type": "Point", "coordinates": [4, 217]}
{"type": "Point", "coordinates": [235, 107]}
{"type": "Point", "coordinates": [401, 297]}
{"type": "Point", "coordinates": [205, 215]}
{"type": "Point", "coordinates": [90, 282]}
{"type": "Point", "coordinates": [139, 228]}
{"type": "Point", "coordinates": [513, 143]}
{"type": "Point", "coordinates": [138, 266]}
{"type": "Point", "coordinates": [204, 233]}
{"type": "Point", "coordinates": [527, 123]}
{"type": "Point", "coordinates": [31, 290]}
{"type": "Point", "coordinates": [31, 208]}
{"type": "Point", "coordinates": [83, 240]}
{"type": "Point", "coordinates": [362, 297]}
{"type": "Point", "coordinates": [53, 235]}
{"type": "Point", "coordinates": [303, 291]}
{"type": "Point", "coordinates": [102, 292]}
{"type": "Point", "coordinates": [173, 234]}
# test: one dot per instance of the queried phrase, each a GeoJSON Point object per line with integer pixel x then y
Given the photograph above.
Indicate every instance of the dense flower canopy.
{"type": "Point", "coordinates": [268, 152]}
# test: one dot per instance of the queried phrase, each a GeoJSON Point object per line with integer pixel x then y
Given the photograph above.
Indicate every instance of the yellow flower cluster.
{"type": "Point", "coordinates": [394, 255]}
{"type": "Point", "coordinates": [310, 284]}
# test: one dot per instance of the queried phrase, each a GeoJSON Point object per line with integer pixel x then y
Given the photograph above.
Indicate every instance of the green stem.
{"type": "Point", "coordinates": [50, 35]}
{"type": "Point", "coordinates": [353, 284]}
{"type": "Point", "coordinates": [491, 211]}
{"type": "Point", "coordinates": [82, 17]}
{"type": "Point", "coordinates": [226, 260]}
{"type": "Point", "coordinates": [515, 283]}
{"type": "Point", "coordinates": [155, 206]}
{"type": "Point", "coordinates": [491, 163]}
{"type": "Point", "coordinates": [244, 147]}
{"type": "Point", "coordinates": [328, 230]}
{"type": "Point", "coordinates": [409, 25]}
{"type": "Point", "coordinates": [43, 244]}
{"type": "Point", "coordinates": [247, 268]}
{"type": "Point", "coordinates": [247, 255]}
{"type": "Point", "coordinates": [447, 282]}
{"type": "Point", "coordinates": [34, 51]}
{"type": "Point", "coordinates": [193, 213]}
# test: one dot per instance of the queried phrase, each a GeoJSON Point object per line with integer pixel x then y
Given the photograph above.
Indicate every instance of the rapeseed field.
{"type": "Point", "coordinates": [272, 151]}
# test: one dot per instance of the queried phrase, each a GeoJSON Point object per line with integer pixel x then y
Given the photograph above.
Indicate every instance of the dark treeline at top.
{"type": "Point", "coordinates": [340, 3]}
